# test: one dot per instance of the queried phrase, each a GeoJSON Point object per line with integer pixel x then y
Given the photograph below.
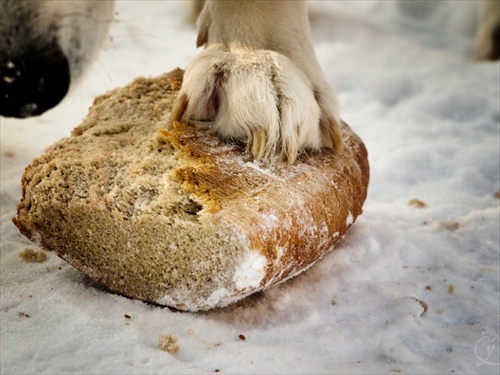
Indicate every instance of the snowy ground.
{"type": "Point", "coordinates": [410, 289]}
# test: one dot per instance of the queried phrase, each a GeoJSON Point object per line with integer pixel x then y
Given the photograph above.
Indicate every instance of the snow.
{"type": "Point", "coordinates": [251, 271]}
{"type": "Point", "coordinates": [412, 288]}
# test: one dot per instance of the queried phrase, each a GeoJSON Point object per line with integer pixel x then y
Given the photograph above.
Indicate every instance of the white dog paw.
{"type": "Point", "coordinates": [259, 97]}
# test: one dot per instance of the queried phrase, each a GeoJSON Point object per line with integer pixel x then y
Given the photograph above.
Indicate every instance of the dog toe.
{"type": "Point", "coordinates": [259, 97]}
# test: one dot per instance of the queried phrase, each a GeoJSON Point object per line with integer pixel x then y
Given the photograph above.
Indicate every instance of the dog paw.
{"type": "Point", "coordinates": [259, 97]}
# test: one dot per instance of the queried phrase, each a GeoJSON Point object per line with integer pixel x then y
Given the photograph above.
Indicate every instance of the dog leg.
{"type": "Point", "coordinates": [195, 8]}
{"type": "Point", "coordinates": [259, 81]}
{"type": "Point", "coordinates": [488, 32]}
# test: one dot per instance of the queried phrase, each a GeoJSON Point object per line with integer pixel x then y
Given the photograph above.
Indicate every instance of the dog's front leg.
{"type": "Point", "coordinates": [488, 31]}
{"type": "Point", "coordinates": [259, 81]}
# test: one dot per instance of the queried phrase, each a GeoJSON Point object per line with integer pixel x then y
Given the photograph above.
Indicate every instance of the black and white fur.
{"type": "Point", "coordinates": [46, 45]}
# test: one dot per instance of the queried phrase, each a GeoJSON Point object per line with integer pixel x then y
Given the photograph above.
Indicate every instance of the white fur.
{"type": "Point", "coordinates": [261, 90]}
{"type": "Point", "coordinates": [261, 71]}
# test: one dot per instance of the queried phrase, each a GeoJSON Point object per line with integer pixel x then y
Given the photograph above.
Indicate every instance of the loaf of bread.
{"type": "Point", "coordinates": [179, 217]}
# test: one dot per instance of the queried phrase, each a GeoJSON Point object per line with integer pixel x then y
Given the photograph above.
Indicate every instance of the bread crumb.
{"type": "Point", "coordinates": [423, 304]}
{"type": "Point", "coordinates": [417, 203]}
{"type": "Point", "coordinates": [428, 287]}
{"type": "Point", "coordinates": [33, 256]}
{"type": "Point", "coordinates": [450, 225]}
{"type": "Point", "coordinates": [451, 289]}
{"type": "Point", "coordinates": [334, 303]}
{"type": "Point", "coordinates": [168, 343]}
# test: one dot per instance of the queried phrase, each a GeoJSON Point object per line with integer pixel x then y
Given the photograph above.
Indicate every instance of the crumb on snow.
{"type": "Point", "coordinates": [33, 256]}
{"type": "Point", "coordinates": [168, 343]}
{"type": "Point", "coordinates": [415, 202]}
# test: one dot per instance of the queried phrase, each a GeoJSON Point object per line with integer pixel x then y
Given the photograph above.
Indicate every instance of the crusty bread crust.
{"type": "Point", "coordinates": [180, 217]}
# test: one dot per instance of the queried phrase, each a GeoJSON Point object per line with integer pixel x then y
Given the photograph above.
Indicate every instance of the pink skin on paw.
{"type": "Point", "coordinates": [212, 97]}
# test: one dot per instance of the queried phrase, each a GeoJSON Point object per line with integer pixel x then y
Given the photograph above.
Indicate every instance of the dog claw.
{"type": "Point", "coordinates": [331, 136]}
{"type": "Point", "coordinates": [178, 110]}
{"type": "Point", "coordinates": [291, 157]}
{"type": "Point", "coordinates": [259, 143]}
{"type": "Point", "coordinates": [336, 139]}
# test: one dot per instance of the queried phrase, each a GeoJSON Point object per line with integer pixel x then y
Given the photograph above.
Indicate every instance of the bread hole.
{"type": "Point", "coordinates": [192, 208]}
{"type": "Point", "coordinates": [163, 145]}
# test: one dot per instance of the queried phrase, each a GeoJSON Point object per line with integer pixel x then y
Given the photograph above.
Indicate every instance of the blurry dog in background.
{"type": "Point", "coordinates": [258, 79]}
{"type": "Point", "coordinates": [44, 47]}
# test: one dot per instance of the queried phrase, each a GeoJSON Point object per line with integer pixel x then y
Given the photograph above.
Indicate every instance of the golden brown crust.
{"type": "Point", "coordinates": [179, 217]}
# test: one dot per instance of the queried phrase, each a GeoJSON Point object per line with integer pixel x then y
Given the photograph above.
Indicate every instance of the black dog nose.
{"type": "Point", "coordinates": [33, 82]}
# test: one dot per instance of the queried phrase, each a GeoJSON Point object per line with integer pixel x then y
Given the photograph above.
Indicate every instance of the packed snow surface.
{"type": "Point", "coordinates": [412, 288]}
